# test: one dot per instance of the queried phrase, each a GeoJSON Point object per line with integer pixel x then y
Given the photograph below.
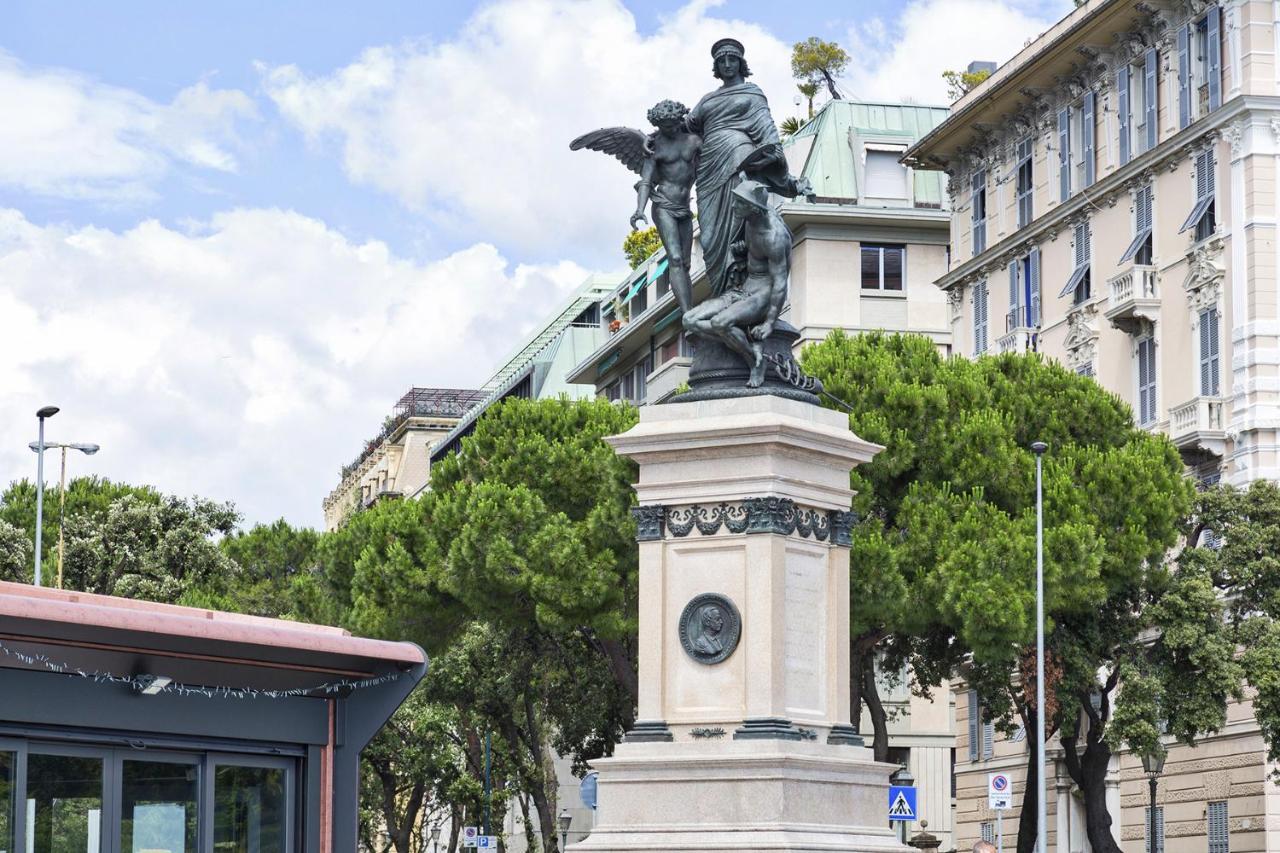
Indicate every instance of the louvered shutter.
{"type": "Point", "coordinates": [974, 727]}
{"type": "Point", "coordinates": [1143, 382]}
{"type": "Point", "coordinates": [1213, 26]}
{"type": "Point", "coordinates": [1064, 154]}
{"type": "Point", "coordinates": [1184, 76]}
{"type": "Point", "coordinates": [1012, 320]}
{"type": "Point", "coordinates": [1151, 95]}
{"type": "Point", "coordinates": [980, 321]}
{"type": "Point", "coordinates": [1086, 135]}
{"type": "Point", "coordinates": [1209, 359]}
{"type": "Point", "coordinates": [1144, 209]}
{"type": "Point", "coordinates": [1034, 261]}
{"type": "Point", "coordinates": [988, 740]}
{"type": "Point", "coordinates": [1154, 829]}
{"type": "Point", "coordinates": [1122, 92]}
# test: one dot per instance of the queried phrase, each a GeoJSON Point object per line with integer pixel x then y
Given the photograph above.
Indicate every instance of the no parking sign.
{"type": "Point", "coordinates": [999, 791]}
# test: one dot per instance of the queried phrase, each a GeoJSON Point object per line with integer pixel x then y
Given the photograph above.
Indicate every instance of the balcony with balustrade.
{"type": "Point", "coordinates": [1198, 426]}
{"type": "Point", "coordinates": [1019, 340]}
{"type": "Point", "coordinates": [1133, 298]}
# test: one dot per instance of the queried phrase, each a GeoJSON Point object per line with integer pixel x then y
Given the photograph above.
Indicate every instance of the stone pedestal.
{"type": "Point", "coordinates": [743, 527]}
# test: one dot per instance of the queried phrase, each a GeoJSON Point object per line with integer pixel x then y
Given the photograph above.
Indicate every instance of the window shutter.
{"type": "Point", "coordinates": [1151, 96]}
{"type": "Point", "coordinates": [1064, 154]}
{"type": "Point", "coordinates": [978, 201]}
{"type": "Point", "coordinates": [1122, 93]}
{"type": "Point", "coordinates": [980, 324]}
{"type": "Point", "coordinates": [1209, 358]}
{"type": "Point", "coordinates": [1086, 135]}
{"type": "Point", "coordinates": [1015, 294]}
{"type": "Point", "coordinates": [1154, 829]}
{"type": "Point", "coordinates": [1034, 260]}
{"type": "Point", "coordinates": [1184, 75]}
{"type": "Point", "coordinates": [1144, 209]}
{"type": "Point", "coordinates": [1214, 36]}
{"type": "Point", "coordinates": [988, 740]}
{"type": "Point", "coordinates": [973, 725]}
{"type": "Point", "coordinates": [1205, 354]}
{"type": "Point", "coordinates": [1204, 174]}
{"type": "Point", "coordinates": [1219, 837]}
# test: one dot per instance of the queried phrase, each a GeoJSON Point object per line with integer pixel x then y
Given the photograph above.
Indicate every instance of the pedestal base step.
{"type": "Point", "coordinates": [741, 795]}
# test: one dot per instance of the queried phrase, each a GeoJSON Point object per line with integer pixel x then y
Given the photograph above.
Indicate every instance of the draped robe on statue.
{"type": "Point", "coordinates": [735, 124]}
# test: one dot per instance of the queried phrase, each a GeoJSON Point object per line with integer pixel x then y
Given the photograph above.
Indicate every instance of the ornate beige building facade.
{"type": "Point", "coordinates": [1114, 207]}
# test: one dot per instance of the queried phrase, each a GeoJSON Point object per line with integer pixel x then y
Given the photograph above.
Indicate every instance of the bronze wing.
{"type": "Point", "coordinates": [626, 143]}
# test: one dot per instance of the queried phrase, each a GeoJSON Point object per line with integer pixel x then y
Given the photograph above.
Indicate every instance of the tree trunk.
{"type": "Point", "coordinates": [831, 84]}
{"type": "Point", "coordinates": [879, 717]}
{"type": "Point", "coordinates": [542, 802]}
{"type": "Point", "coordinates": [529, 843]}
{"type": "Point", "coordinates": [1030, 799]}
{"type": "Point", "coordinates": [455, 826]}
{"type": "Point", "coordinates": [1089, 772]}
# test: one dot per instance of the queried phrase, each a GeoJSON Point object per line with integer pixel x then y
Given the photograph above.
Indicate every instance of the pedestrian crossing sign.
{"type": "Point", "coordinates": [902, 802]}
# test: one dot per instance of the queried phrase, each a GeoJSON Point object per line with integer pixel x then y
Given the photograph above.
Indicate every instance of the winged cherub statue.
{"type": "Point", "coordinates": [666, 161]}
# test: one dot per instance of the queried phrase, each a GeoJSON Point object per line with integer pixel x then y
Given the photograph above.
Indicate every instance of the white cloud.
{"type": "Point", "coordinates": [245, 358]}
{"type": "Point", "coordinates": [904, 58]}
{"type": "Point", "coordinates": [67, 135]}
{"type": "Point", "coordinates": [474, 131]}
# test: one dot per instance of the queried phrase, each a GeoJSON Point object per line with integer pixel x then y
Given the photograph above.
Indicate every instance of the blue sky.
{"type": "Point", "coordinates": [231, 234]}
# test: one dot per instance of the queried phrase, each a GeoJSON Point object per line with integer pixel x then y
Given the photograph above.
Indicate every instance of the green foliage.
{"type": "Point", "coordinates": [276, 562]}
{"type": "Point", "coordinates": [790, 126]}
{"type": "Point", "coordinates": [120, 540]}
{"type": "Point", "coordinates": [961, 83]}
{"type": "Point", "coordinates": [1242, 561]}
{"type": "Point", "coordinates": [815, 61]}
{"type": "Point", "coordinates": [810, 91]}
{"type": "Point", "coordinates": [518, 571]}
{"type": "Point", "coordinates": [87, 497]}
{"type": "Point", "coordinates": [639, 245]}
{"type": "Point", "coordinates": [943, 557]}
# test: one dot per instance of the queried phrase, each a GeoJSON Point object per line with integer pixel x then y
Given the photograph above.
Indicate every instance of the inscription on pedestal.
{"type": "Point", "coordinates": [804, 631]}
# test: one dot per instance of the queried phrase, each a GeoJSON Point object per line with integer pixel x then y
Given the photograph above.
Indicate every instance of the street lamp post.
{"type": "Point", "coordinates": [1153, 764]}
{"type": "Point", "coordinates": [435, 838]}
{"type": "Point", "coordinates": [41, 414]}
{"type": "Point", "coordinates": [87, 450]}
{"type": "Point", "coordinates": [564, 820]}
{"type": "Point", "coordinates": [1038, 448]}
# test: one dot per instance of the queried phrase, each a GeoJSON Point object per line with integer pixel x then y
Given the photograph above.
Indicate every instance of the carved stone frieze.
{"type": "Point", "coordinates": [751, 515]}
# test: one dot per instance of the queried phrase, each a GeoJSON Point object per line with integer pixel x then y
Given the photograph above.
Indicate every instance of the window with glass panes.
{"type": "Point", "coordinates": [1024, 186]}
{"type": "Point", "coordinates": [1137, 94]}
{"type": "Point", "coordinates": [1200, 66]}
{"type": "Point", "coordinates": [1078, 285]}
{"type": "Point", "coordinates": [1139, 250]}
{"type": "Point", "coordinates": [1210, 366]}
{"type": "Point", "coordinates": [1024, 292]}
{"type": "Point", "coordinates": [883, 266]}
{"type": "Point", "coordinates": [1146, 358]}
{"type": "Point", "coordinates": [1219, 830]}
{"type": "Point", "coordinates": [979, 203]}
{"type": "Point", "coordinates": [1202, 216]}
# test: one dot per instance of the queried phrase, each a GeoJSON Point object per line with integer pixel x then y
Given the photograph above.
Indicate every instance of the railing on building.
{"type": "Point", "coordinates": [1199, 423]}
{"type": "Point", "coordinates": [1133, 297]}
{"type": "Point", "coordinates": [1017, 340]}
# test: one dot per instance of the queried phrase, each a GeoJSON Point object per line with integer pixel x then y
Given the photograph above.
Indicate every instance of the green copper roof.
{"type": "Point", "coordinates": [833, 146]}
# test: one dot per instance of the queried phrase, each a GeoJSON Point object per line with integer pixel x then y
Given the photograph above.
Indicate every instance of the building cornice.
{"type": "Point", "coordinates": [1107, 190]}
